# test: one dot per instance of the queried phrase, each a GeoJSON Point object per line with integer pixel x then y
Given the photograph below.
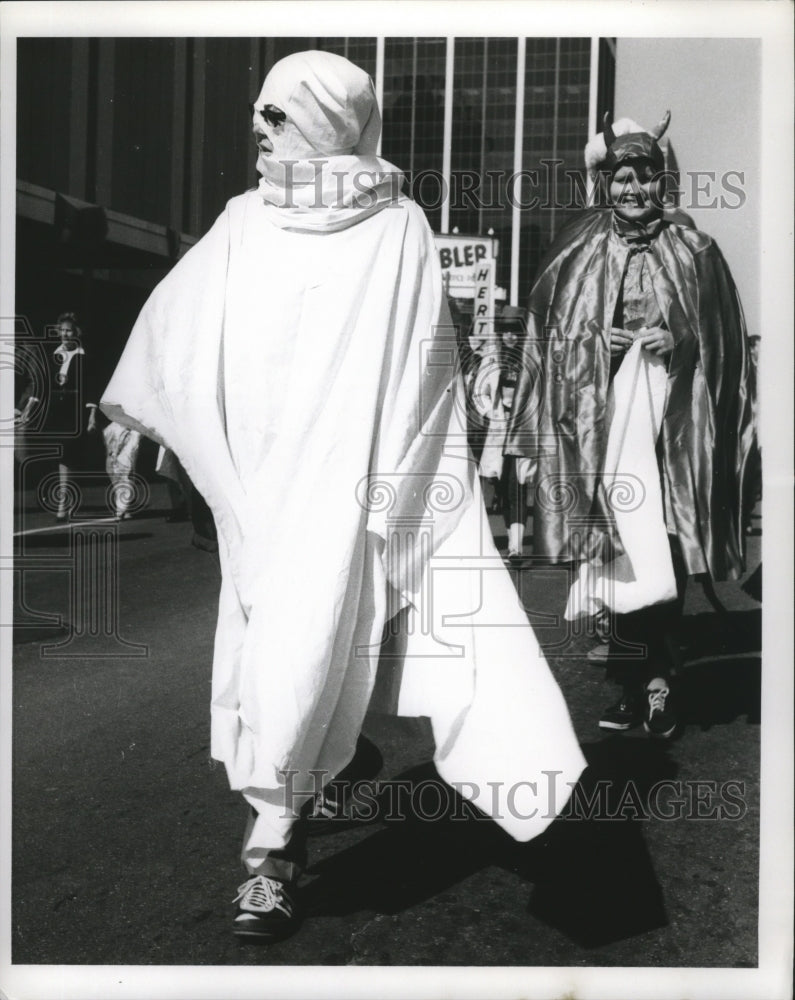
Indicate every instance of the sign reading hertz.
{"type": "Point", "coordinates": [459, 257]}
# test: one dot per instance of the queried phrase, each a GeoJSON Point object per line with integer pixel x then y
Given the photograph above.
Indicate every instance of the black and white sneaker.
{"type": "Point", "coordinates": [660, 718]}
{"type": "Point", "coordinates": [266, 909]}
{"type": "Point", "coordinates": [625, 714]}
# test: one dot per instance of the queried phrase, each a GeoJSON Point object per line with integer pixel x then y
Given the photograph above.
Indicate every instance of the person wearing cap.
{"type": "Point", "coordinates": [639, 417]}
{"type": "Point", "coordinates": [509, 471]}
{"type": "Point", "coordinates": [300, 363]}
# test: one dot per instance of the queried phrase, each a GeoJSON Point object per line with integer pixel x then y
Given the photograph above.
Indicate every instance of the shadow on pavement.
{"type": "Point", "coordinates": [408, 859]}
{"type": "Point", "coordinates": [711, 634]}
{"type": "Point", "coordinates": [718, 693]}
{"type": "Point", "coordinates": [594, 878]}
{"type": "Point", "coordinates": [722, 677]}
{"type": "Point", "coordinates": [592, 875]}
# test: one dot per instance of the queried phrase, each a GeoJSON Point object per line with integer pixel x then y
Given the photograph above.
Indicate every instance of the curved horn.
{"type": "Point", "coordinates": [609, 134]}
{"type": "Point", "coordinates": [658, 131]}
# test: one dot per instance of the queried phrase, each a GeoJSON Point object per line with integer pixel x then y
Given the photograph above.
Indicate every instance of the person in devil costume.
{"type": "Point", "coordinates": [635, 398]}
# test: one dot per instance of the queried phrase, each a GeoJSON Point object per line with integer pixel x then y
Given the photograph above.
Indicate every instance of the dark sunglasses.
{"type": "Point", "coordinates": [273, 116]}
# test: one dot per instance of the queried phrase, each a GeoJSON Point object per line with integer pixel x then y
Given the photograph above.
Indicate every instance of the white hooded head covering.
{"type": "Point", "coordinates": [331, 102]}
{"type": "Point", "coordinates": [323, 173]}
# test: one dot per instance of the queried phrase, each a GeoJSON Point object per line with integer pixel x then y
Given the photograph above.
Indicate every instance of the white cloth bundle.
{"type": "Point", "coordinates": [643, 574]}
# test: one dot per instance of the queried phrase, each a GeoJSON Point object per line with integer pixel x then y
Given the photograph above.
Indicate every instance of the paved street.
{"type": "Point", "coordinates": [126, 836]}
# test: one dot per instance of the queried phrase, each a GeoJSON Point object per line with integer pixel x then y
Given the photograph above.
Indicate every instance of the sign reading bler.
{"type": "Point", "coordinates": [459, 257]}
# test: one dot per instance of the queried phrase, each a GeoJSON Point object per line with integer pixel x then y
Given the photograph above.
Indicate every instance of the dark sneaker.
{"type": "Point", "coordinates": [266, 909]}
{"type": "Point", "coordinates": [625, 714]}
{"type": "Point", "coordinates": [660, 718]}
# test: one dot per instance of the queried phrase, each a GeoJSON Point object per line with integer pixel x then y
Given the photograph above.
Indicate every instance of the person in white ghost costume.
{"type": "Point", "coordinates": [300, 362]}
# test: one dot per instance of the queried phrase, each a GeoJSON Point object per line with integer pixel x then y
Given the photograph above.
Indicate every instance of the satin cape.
{"type": "Point", "coordinates": [560, 404]}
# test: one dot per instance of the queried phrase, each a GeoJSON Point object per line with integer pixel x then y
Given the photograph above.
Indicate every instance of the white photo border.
{"type": "Point", "coordinates": [771, 22]}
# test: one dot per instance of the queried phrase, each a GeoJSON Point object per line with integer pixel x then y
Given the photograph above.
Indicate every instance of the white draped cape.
{"type": "Point", "coordinates": [305, 384]}
{"type": "Point", "coordinates": [643, 573]}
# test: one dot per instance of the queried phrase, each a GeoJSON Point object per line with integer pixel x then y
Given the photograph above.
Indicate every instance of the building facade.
{"type": "Point", "coordinates": [128, 149]}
